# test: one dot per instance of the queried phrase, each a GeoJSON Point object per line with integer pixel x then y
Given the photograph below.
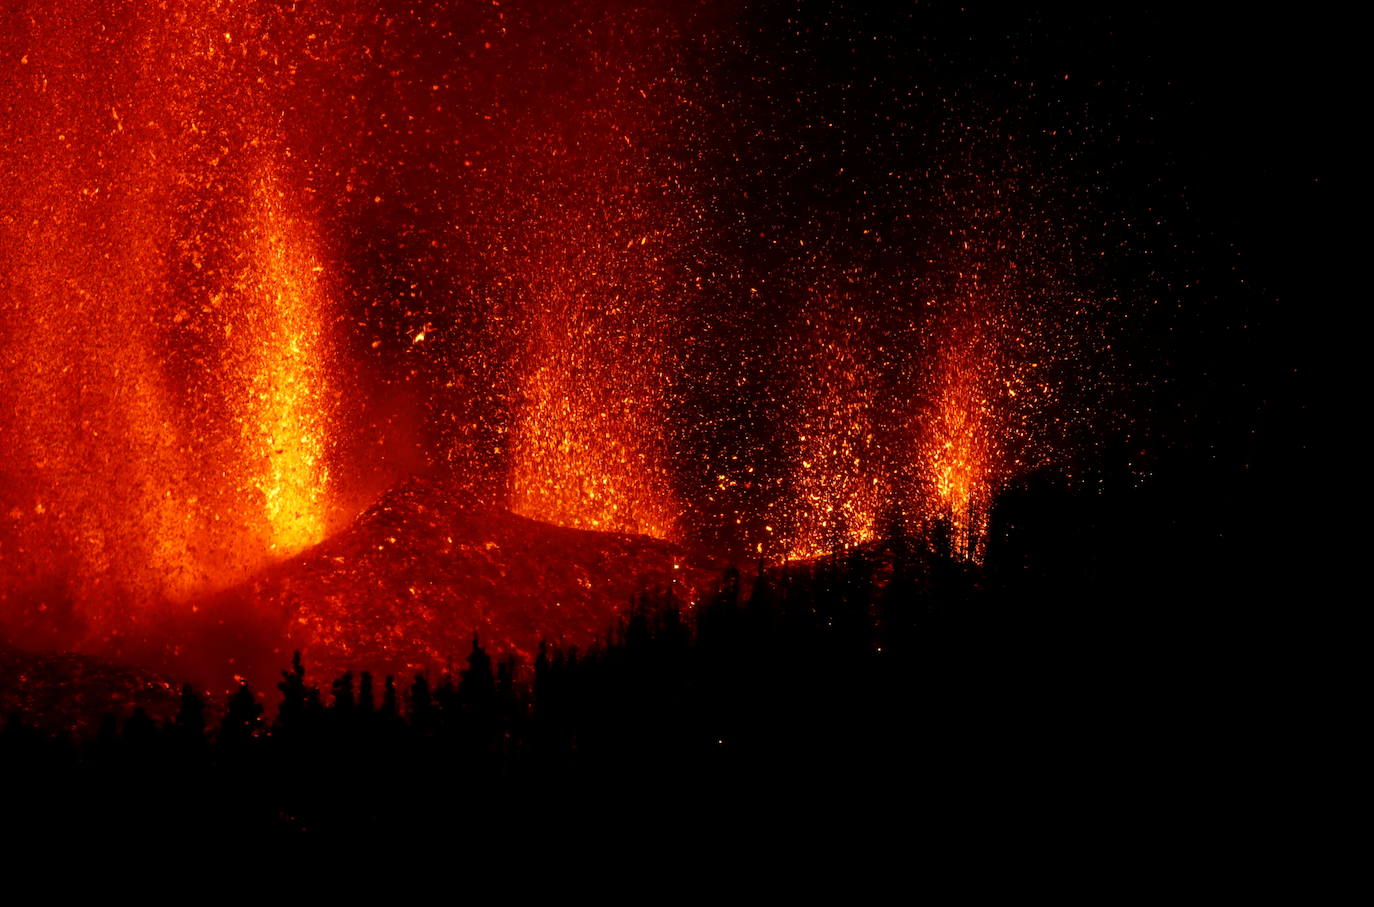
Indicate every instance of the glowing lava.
{"type": "Point", "coordinates": [961, 446]}
{"type": "Point", "coordinates": [165, 309]}
{"type": "Point", "coordinates": [594, 212]}
{"type": "Point", "coordinates": [839, 483]}
{"type": "Point", "coordinates": [287, 403]}
{"type": "Point", "coordinates": [605, 266]}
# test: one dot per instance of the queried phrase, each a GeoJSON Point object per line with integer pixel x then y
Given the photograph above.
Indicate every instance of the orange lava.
{"type": "Point", "coordinates": [537, 251]}
{"type": "Point", "coordinates": [839, 486]}
{"type": "Point", "coordinates": [591, 218]}
{"type": "Point", "coordinates": [285, 380]}
{"type": "Point", "coordinates": [960, 453]}
{"type": "Point", "coordinates": [166, 303]}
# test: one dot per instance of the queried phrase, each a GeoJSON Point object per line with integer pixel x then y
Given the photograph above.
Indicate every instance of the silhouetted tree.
{"type": "Point", "coordinates": [295, 697]}
{"type": "Point", "coordinates": [391, 707]}
{"type": "Point", "coordinates": [366, 701]}
{"type": "Point", "coordinates": [140, 729]}
{"type": "Point", "coordinates": [422, 713]}
{"type": "Point", "coordinates": [342, 692]}
{"type": "Point", "coordinates": [189, 722]}
{"type": "Point", "coordinates": [478, 686]}
{"type": "Point", "coordinates": [242, 717]}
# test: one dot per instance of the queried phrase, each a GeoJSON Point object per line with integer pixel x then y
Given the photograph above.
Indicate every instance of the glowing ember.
{"type": "Point", "coordinates": [287, 400]}
{"type": "Point", "coordinates": [961, 445]}
{"type": "Point", "coordinates": [605, 266]}
{"type": "Point", "coordinates": [587, 444]}
{"type": "Point", "coordinates": [172, 406]}
{"type": "Point", "coordinates": [423, 570]}
{"type": "Point", "coordinates": [839, 485]}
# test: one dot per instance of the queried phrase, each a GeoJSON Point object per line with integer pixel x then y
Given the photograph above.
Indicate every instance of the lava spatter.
{"type": "Point", "coordinates": [687, 273]}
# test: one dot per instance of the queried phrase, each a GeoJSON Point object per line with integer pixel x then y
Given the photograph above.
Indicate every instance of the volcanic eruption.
{"type": "Point", "coordinates": [363, 331]}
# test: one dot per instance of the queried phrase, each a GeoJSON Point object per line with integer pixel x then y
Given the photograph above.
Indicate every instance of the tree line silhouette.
{"type": "Point", "coordinates": [891, 677]}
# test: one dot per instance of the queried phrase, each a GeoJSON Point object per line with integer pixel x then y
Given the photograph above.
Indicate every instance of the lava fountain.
{"type": "Point", "coordinates": [165, 307]}
{"type": "Point", "coordinates": [961, 456]}
{"type": "Point", "coordinates": [839, 484]}
{"type": "Point", "coordinates": [284, 383]}
{"type": "Point", "coordinates": [593, 211]}
{"type": "Point", "coordinates": [611, 269]}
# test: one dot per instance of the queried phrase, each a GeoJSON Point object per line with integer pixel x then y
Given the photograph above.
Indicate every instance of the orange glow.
{"type": "Point", "coordinates": [960, 453]}
{"type": "Point", "coordinates": [583, 264]}
{"type": "Point", "coordinates": [585, 247]}
{"type": "Point", "coordinates": [165, 305]}
{"type": "Point", "coordinates": [581, 457]}
{"type": "Point", "coordinates": [284, 388]}
{"type": "Point", "coordinates": [838, 484]}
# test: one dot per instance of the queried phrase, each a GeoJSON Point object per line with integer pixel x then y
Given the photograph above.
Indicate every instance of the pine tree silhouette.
{"type": "Point", "coordinates": [366, 701]}
{"type": "Point", "coordinates": [242, 718]}
{"type": "Point", "coordinates": [391, 706]}
{"type": "Point", "coordinates": [189, 722]}
{"type": "Point", "coordinates": [422, 712]}
{"type": "Point", "coordinates": [342, 692]}
{"type": "Point", "coordinates": [477, 686]}
{"type": "Point", "coordinates": [295, 701]}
